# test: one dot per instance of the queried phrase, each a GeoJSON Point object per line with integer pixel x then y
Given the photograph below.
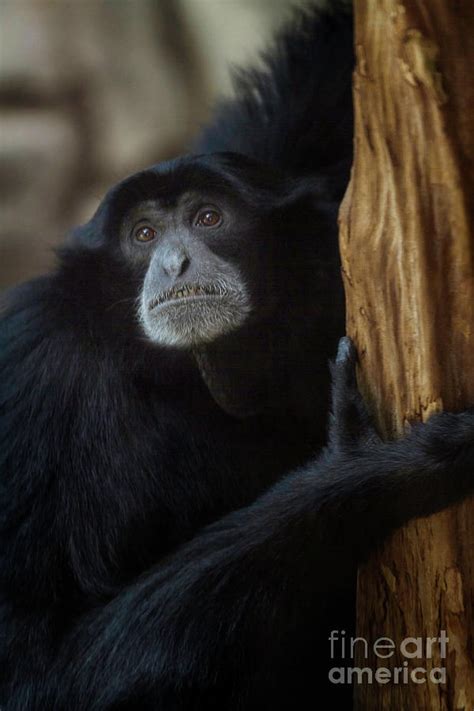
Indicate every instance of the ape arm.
{"type": "Point", "coordinates": [242, 584]}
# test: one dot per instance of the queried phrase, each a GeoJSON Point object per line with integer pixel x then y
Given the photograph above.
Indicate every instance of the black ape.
{"type": "Point", "coordinates": [170, 536]}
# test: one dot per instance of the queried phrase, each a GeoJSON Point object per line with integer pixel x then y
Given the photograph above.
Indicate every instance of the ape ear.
{"type": "Point", "coordinates": [89, 235]}
{"type": "Point", "coordinates": [328, 188]}
{"type": "Point", "coordinates": [92, 234]}
{"type": "Point", "coordinates": [304, 197]}
{"type": "Point", "coordinates": [308, 209]}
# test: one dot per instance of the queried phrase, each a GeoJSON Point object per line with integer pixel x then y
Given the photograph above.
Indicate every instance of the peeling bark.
{"type": "Point", "coordinates": [407, 244]}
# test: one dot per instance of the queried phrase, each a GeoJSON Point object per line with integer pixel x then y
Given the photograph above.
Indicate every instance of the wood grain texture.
{"type": "Point", "coordinates": [407, 243]}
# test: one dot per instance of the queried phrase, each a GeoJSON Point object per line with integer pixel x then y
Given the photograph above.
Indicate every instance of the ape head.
{"type": "Point", "coordinates": [212, 243]}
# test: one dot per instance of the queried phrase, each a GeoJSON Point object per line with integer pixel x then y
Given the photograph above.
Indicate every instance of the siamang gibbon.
{"type": "Point", "coordinates": [181, 519]}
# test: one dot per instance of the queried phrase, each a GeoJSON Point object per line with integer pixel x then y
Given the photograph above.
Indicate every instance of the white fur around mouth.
{"type": "Point", "coordinates": [184, 292]}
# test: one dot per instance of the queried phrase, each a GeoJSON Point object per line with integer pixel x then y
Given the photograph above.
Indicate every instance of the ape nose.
{"type": "Point", "coordinates": [175, 262]}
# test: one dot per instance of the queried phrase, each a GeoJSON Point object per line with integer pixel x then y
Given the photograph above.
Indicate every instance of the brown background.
{"type": "Point", "coordinates": [92, 90]}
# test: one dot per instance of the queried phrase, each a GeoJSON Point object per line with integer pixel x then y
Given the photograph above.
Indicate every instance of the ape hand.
{"type": "Point", "coordinates": [350, 423]}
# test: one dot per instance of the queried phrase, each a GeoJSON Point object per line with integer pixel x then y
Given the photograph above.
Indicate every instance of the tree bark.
{"type": "Point", "coordinates": [406, 231]}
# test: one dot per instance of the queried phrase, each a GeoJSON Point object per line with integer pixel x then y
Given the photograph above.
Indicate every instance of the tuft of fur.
{"type": "Point", "coordinates": [294, 112]}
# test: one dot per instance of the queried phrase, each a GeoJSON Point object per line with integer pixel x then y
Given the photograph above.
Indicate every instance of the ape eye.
{"type": "Point", "coordinates": [144, 233]}
{"type": "Point", "coordinates": [208, 218]}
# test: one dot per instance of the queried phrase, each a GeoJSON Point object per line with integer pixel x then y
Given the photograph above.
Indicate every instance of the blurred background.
{"type": "Point", "coordinates": [92, 90]}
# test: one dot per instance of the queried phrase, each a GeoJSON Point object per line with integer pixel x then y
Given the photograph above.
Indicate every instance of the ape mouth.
{"type": "Point", "coordinates": [185, 292]}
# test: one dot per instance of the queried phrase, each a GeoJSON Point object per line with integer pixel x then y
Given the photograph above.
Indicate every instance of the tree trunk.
{"type": "Point", "coordinates": [408, 263]}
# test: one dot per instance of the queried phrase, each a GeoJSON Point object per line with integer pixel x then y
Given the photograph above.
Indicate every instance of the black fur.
{"type": "Point", "coordinates": [156, 551]}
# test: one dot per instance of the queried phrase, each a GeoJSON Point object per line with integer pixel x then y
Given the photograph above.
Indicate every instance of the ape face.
{"type": "Point", "coordinates": [200, 234]}
{"type": "Point", "coordinates": [195, 288]}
